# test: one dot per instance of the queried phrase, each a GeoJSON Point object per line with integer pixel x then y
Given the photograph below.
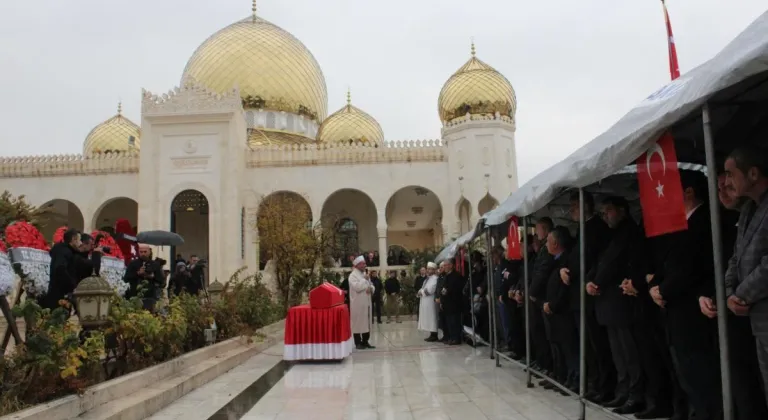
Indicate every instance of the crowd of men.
{"type": "Point", "coordinates": [652, 346]}
{"type": "Point", "coordinates": [78, 256]}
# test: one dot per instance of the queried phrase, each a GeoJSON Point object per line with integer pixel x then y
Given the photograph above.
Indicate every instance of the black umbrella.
{"type": "Point", "coordinates": [159, 238]}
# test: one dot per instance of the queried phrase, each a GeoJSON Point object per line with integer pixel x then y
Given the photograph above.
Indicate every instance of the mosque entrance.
{"type": "Point", "coordinates": [60, 213]}
{"type": "Point", "coordinates": [190, 219]}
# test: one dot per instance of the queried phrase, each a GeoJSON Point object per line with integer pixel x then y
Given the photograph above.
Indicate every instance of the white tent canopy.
{"type": "Point", "coordinates": [632, 135]}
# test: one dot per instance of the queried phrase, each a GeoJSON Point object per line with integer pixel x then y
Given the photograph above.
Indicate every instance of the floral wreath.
{"type": "Point", "coordinates": [7, 279]}
{"type": "Point", "coordinates": [108, 241]}
{"type": "Point", "coordinates": [113, 271]}
{"type": "Point", "coordinates": [58, 236]}
{"type": "Point", "coordinates": [35, 272]}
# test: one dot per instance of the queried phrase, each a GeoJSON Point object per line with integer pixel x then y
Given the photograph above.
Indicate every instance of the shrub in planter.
{"type": "Point", "coordinates": [56, 359]}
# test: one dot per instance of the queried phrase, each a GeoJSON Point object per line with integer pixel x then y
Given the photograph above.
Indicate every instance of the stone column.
{"type": "Point", "coordinates": [383, 248]}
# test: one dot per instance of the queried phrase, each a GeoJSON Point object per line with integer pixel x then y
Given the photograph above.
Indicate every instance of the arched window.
{"type": "Point", "coordinates": [346, 238]}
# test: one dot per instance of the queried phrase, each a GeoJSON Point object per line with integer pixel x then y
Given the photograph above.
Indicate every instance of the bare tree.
{"type": "Point", "coordinates": [296, 243]}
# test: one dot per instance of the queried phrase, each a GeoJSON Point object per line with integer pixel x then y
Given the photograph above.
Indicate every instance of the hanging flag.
{"type": "Point", "coordinates": [513, 240]}
{"type": "Point", "coordinates": [661, 193]}
{"type": "Point", "coordinates": [674, 68]}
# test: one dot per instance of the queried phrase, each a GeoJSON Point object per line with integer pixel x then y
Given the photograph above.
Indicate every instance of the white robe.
{"type": "Point", "coordinates": [360, 302]}
{"type": "Point", "coordinates": [427, 306]}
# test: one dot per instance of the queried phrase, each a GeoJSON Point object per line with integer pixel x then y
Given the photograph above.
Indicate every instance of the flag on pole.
{"type": "Point", "coordinates": [661, 191]}
{"type": "Point", "coordinates": [674, 67]}
{"type": "Point", "coordinates": [513, 240]}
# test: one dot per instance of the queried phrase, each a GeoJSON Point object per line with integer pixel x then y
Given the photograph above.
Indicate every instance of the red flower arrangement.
{"type": "Point", "coordinates": [2, 246]}
{"type": "Point", "coordinates": [58, 236]}
{"type": "Point", "coordinates": [21, 234]}
{"type": "Point", "coordinates": [108, 241]}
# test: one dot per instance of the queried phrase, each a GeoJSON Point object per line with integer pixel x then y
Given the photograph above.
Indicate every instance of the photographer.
{"type": "Point", "coordinates": [145, 277]}
{"type": "Point", "coordinates": [196, 281]}
{"type": "Point", "coordinates": [179, 279]}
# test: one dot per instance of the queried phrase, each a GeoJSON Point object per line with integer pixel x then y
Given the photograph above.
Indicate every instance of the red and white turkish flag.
{"type": "Point", "coordinates": [674, 67]}
{"type": "Point", "coordinates": [513, 241]}
{"type": "Point", "coordinates": [661, 193]}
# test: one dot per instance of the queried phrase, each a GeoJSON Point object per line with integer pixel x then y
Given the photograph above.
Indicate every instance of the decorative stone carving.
{"type": "Point", "coordinates": [190, 147]}
{"type": "Point", "coordinates": [190, 98]}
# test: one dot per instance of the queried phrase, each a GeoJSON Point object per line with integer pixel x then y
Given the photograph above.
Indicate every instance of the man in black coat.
{"type": "Point", "coordinates": [451, 300]}
{"type": "Point", "coordinates": [64, 273]}
{"type": "Point", "coordinates": [145, 277]}
{"type": "Point", "coordinates": [601, 374]}
{"type": "Point", "coordinates": [542, 268]}
{"type": "Point", "coordinates": [557, 313]}
{"type": "Point", "coordinates": [377, 299]}
{"type": "Point", "coordinates": [614, 310]}
{"type": "Point", "coordinates": [688, 270]}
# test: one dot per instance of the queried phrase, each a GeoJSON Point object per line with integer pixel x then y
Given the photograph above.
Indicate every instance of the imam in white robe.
{"type": "Point", "coordinates": [428, 306]}
{"type": "Point", "coordinates": [360, 302]}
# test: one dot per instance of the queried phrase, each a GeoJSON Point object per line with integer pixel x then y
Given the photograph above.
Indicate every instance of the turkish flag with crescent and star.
{"type": "Point", "coordinates": [513, 240]}
{"type": "Point", "coordinates": [661, 193]}
{"type": "Point", "coordinates": [674, 67]}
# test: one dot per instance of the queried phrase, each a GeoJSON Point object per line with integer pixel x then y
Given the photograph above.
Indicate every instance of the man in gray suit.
{"type": "Point", "coordinates": [747, 276]}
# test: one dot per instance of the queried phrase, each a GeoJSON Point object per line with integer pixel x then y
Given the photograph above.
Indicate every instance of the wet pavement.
{"type": "Point", "coordinates": [403, 378]}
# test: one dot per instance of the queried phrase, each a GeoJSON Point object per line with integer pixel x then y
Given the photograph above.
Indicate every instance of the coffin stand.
{"type": "Point", "coordinates": [320, 330]}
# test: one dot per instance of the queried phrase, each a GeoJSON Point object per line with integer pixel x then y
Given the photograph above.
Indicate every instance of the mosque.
{"type": "Point", "coordinates": [250, 120]}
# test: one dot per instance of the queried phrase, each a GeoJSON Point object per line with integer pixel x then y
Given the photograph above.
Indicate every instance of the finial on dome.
{"type": "Point", "coordinates": [120, 108]}
{"type": "Point", "coordinates": [349, 96]}
{"type": "Point", "coordinates": [253, 9]}
{"type": "Point", "coordinates": [473, 46]}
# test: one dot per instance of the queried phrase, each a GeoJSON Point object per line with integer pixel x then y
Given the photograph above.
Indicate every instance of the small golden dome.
{"type": "Point", "coordinates": [261, 137]}
{"type": "Point", "coordinates": [476, 88]}
{"type": "Point", "coordinates": [350, 124]}
{"type": "Point", "coordinates": [272, 69]}
{"type": "Point", "coordinates": [117, 134]}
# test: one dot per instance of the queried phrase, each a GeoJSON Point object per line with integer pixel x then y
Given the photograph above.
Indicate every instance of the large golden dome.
{"type": "Point", "coordinates": [350, 124]}
{"type": "Point", "coordinates": [476, 88]}
{"type": "Point", "coordinates": [272, 68]}
{"type": "Point", "coordinates": [113, 135]}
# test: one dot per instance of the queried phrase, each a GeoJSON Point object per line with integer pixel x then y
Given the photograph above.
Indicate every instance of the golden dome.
{"type": "Point", "coordinates": [476, 88]}
{"type": "Point", "coordinates": [262, 137]}
{"type": "Point", "coordinates": [272, 68]}
{"type": "Point", "coordinates": [113, 135]}
{"type": "Point", "coordinates": [350, 124]}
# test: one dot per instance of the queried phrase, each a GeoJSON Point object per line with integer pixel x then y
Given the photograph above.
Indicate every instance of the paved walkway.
{"type": "Point", "coordinates": [404, 378]}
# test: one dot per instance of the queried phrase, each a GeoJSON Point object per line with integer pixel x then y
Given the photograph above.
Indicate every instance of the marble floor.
{"type": "Point", "coordinates": [403, 378]}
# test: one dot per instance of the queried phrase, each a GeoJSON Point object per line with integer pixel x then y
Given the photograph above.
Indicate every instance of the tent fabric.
{"type": "Point", "coordinates": [452, 248]}
{"type": "Point", "coordinates": [633, 134]}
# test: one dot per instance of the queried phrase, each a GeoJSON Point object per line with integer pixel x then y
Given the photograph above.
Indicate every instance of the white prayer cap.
{"type": "Point", "coordinates": [358, 260]}
{"type": "Point", "coordinates": [431, 265]}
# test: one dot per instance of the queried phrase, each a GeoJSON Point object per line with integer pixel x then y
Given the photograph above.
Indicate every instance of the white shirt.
{"type": "Point", "coordinates": [688, 215]}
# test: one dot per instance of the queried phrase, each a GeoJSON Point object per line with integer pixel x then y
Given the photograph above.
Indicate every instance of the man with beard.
{"type": "Point", "coordinates": [451, 300]}
{"type": "Point", "coordinates": [747, 276]}
{"type": "Point", "coordinates": [427, 304]}
{"type": "Point", "coordinates": [64, 273]}
{"type": "Point", "coordinates": [614, 310]}
{"type": "Point", "coordinates": [360, 291]}
{"type": "Point", "coordinates": [748, 399]}
{"type": "Point", "coordinates": [600, 370]}
{"type": "Point", "coordinates": [144, 277]}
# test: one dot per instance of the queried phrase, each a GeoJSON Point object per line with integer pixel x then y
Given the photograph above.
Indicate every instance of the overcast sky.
{"type": "Point", "coordinates": [577, 66]}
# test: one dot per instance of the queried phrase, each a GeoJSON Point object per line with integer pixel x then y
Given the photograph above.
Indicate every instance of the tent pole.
{"type": "Point", "coordinates": [471, 296]}
{"type": "Point", "coordinates": [717, 248]}
{"type": "Point", "coordinates": [528, 382]}
{"type": "Point", "coordinates": [489, 292]}
{"type": "Point", "coordinates": [582, 309]}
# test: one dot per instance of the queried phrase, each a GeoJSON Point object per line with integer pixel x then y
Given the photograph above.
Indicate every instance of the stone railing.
{"type": "Point", "coordinates": [65, 165]}
{"type": "Point", "coordinates": [346, 154]}
{"type": "Point", "coordinates": [470, 118]}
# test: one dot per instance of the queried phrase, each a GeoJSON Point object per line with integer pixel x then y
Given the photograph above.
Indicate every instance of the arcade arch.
{"type": "Point", "coordinates": [487, 204]}
{"type": "Point", "coordinates": [114, 209]}
{"type": "Point", "coordinates": [349, 212]}
{"type": "Point", "coordinates": [294, 207]}
{"type": "Point", "coordinates": [190, 218]}
{"type": "Point", "coordinates": [59, 213]}
{"type": "Point", "coordinates": [414, 218]}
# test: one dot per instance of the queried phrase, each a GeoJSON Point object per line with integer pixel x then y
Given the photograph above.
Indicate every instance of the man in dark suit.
{"type": "Point", "coordinates": [557, 313]}
{"type": "Point", "coordinates": [614, 310]}
{"type": "Point", "coordinates": [685, 270]}
{"type": "Point", "coordinates": [746, 280]}
{"type": "Point", "coordinates": [542, 268]}
{"type": "Point", "coordinates": [601, 374]}
{"type": "Point", "coordinates": [451, 299]}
